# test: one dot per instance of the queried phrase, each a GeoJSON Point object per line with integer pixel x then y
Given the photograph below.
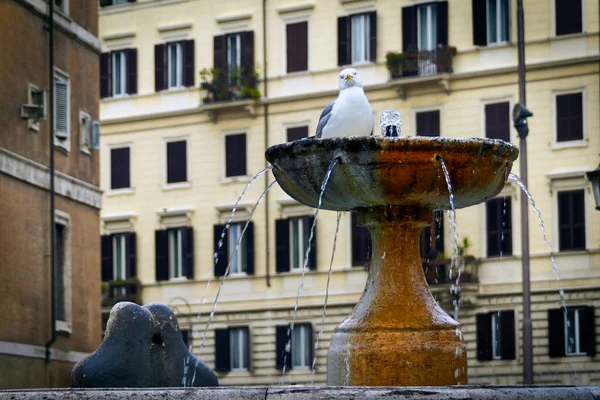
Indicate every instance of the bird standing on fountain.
{"type": "Point", "coordinates": [350, 114]}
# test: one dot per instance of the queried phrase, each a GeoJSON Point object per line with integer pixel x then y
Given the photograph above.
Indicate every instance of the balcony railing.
{"type": "Point", "coordinates": [229, 86]}
{"type": "Point", "coordinates": [437, 272]}
{"type": "Point", "coordinates": [416, 62]}
{"type": "Point", "coordinates": [125, 290]}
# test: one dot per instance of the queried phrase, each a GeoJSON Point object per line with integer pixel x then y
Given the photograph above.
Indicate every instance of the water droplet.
{"type": "Point", "coordinates": [203, 300]}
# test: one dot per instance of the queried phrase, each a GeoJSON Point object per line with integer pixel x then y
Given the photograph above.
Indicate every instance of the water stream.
{"type": "Point", "coordinates": [231, 258]}
{"type": "Point", "coordinates": [290, 330]}
{"type": "Point", "coordinates": [316, 348]}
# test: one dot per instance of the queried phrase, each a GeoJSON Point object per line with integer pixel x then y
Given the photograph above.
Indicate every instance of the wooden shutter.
{"type": "Point", "coordinates": [568, 17]}
{"type": "Point", "coordinates": [361, 243]}
{"type": "Point", "coordinates": [104, 3]}
{"type": "Point", "coordinates": [160, 67]}
{"type": "Point", "coordinates": [571, 220]}
{"type": "Point", "coordinates": [312, 256]}
{"type": "Point", "coordinates": [131, 58]}
{"type": "Point", "coordinates": [587, 330]}
{"type": "Point", "coordinates": [484, 337]}
{"type": "Point", "coordinates": [507, 334]}
{"type": "Point", "coordinates": [235, 155]}
{"type": "Point", "coordinates": [493, 229]}
{"type": "Point", "coordinates": [247, 42]}
{"type": "Point", "coordinates": [119, 168]}
{"type": "Point", "coordinates": [222, 359]}
{"type": "Point", "coordinates": [106, 249]}
{"type": "Point", "coordinates": [177, 161]}
{"type": "Point", "coordinates": [223, 252]}
{"type": "Point", "coordinates": [188, 252]}
{"type": "Point", "coordinates": [248, 348]}
{"type": "Point", "coordinates": [282, 339]}
{"type": "Point", "coordinates": [188, 63]}
{"type": "Point", "coordinates": [428, 123]}
{"type": "Point", "coordinates": [282, 245]}
{"type": "Point", "coordinates": [220, 59]}
{"type": "Point", "coordinates": [372, 35]}
{"type": "Point", "coordinates": [130, 243]}
{"type": "Point", "coordinates": [297, 46]}
{"type": "Point", "coordinates": [61, 109]}
{"type": "Point", "coordinates": [310, 343]}
{"type": "Point", "coordinates": [497, 121]}
{"type": "Point", "coordinates": [105, 75]}
{"type": "Point", "coordinates": [161, 247]}
{"type": "Point", "coordinates": [556, 333]}
{"type": "Point", "coordinates": [442, 22]}
{"type": "Point", "coordinates": [249, 238]}
{"type": "Point", "coordinates": [297, 133]}
{"type": "Point", "coordinates": [479, 16]}
{"type": "Point", "coordinates": [344, 41]}
{"type": "Point", "coordinates": [409, 28]}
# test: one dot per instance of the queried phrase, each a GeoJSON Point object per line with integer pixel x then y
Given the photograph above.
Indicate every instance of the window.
{"type": "Point", "coordinates": [36, 97]}
{"type": "Point", "coordinates": [428, 123]}
{"type": "Point", "coordinates": [174, 253]}
{"type": "Point", "coordinates": [297, 133]}
{"type": "Point", "coordinates": [62, 271]}
{"type": "Point", "coordinates": [118, 73]}
{"type": "Point", "coordinates": [120, 172]}
{"type": "Point", "coordinates": [571, 220]}
{"type": "Point", "coordinates": [297, 46]}
{"type": "Point", "coordinates": [292, 241]}
{"type": "Point", "coordinates": [357, 38]}
{"type": "Point", "coordinates": [235, 155]}
{"type": "Point", "coordinates": [498, 227]}
{"type": "Point", "coordinates": [496, 336]}
{"type": "Point", "coordinates": [174, 65]}
{"type": "Point", "coordinates": [569, 117]}
{"type": "Point", "coordinates": [232, 349]}
{"type": "Point", "coordinates": [243, 260]}
{"type": "Point", "coordinates": [104, 3]}
{"type": "Point", "coordinates": [361, 243]}
{"type": "Point", "coordinates": [571, 332]}
{"type": "Point", "coordinates": [497, 121]}
{"type": "Point", "coordinates": [568, 17]}
{"type": "Point", "coordinates": [177, 161]}
{"type": "Point", "coordinates": [299, 354]}
{"type": "Point", "coordinates": [85, 132]}
{"type": "Point", "coordinates": [61, 110]}
{"type": "Point", "coordinates": [491, 22]}
{"type": "Point", "coordinates": [425, 26]}
{"type": "Point", "coordinates": [118, 256]}
{"type": "Point", "coordinates": [233, 58]}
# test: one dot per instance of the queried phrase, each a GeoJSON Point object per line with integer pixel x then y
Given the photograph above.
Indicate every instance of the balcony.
{"type": "Point", "coordinates": [437, 272]}
{"type": "Point", "coordinates": [123, 290]}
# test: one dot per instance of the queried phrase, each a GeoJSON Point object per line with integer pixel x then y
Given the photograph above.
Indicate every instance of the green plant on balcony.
{"type": "Point", "coordinates": [444, 56]}
{"type": "Point", "coordinates": [231, 84]}
{"type": "Point", "coordinates": [128, 289]}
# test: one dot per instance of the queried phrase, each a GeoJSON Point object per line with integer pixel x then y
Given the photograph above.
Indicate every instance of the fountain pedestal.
{"type": "Point", "coordinates": [397, 333]}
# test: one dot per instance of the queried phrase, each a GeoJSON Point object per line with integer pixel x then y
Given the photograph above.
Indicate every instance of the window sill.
{"type": "Point", "coordinates": [64, 327]}
{"type": "Point", "coordinates": [179, 279]}
{"type": "Point", "coordinates": [362, 64]}
{"type": "Point", "coordinates": [568, 36]}
{"type": "Point", "coordinates": [62, 146]}
{"type": "Point", "coordinates": [235, 179]}
{"type": "Point", "coordinates": [569, 144]}
{"type": "Point", "coordinates": [296, 74]}
{"type": "Point", "coordinates": [85, 150]}
{"type": "Point", "coordinates": [494, 46]}
{"type": "Point", "coordinates": [237, 275]}
{"type": "Point", "coordinates": [176, 186]}
{"type": "Point", "coordinates": [120, 192]}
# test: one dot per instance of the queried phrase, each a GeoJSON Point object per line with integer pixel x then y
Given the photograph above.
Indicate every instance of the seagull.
{"type": "Point", "coordinates": [350, 114]}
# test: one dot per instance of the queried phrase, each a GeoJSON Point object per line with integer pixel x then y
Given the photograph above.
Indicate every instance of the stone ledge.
{"type": "Point", "coordinates": [306, 393]}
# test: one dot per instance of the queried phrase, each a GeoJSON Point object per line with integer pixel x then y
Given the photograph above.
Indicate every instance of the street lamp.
{"type": "Point", "coordinates": [594, 178]}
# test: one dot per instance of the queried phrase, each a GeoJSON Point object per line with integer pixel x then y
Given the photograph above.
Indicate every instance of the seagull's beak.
{"type": "Point", "coordinates": [348, 77]}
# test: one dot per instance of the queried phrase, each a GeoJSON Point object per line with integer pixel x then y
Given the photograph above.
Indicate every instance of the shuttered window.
{"type": "Point", "coordinates": [428, 123]}
{"type": "Point", "coordinates": [59, 281]}
{"type": "Point", "coordinates": [235, 155]}
{"type": "Point", "coordinates": [357, 38]}
{"type": "Point", "coordinates": [569, 117]}
{"type": "Point", "coordinates": [243, 261]}
{"type": "Point", "coordinates": [490, 22]}
{"type": "Point", "coordinates": [174, 65]}
{"type": "Point", "coordinates": [61, 108]}
{"type": "Point", "coordinates": [571, 220]}
{"type": "Point", "coordinates": [118, 73]}
{"type": "Point", "coordinates": [361, 243]}
{"type": "Point", "coordinates": [232, 349]}
{"type": "Point", "coordinates": [291, 242]}
{"type": "Point", "coordinates": [230, 52]}
{"type": "Point", "coordinates": [425, 26]}
{"type": "Point", "coordinates": [297, 46]}
{"type": "Point", "coordinates": [119, 256]}
{"type": "Point", "coordinates": [497, 121]}
{"type": "Point", "coordinates": [297, 133]}
{"type": "Point", "coordinates": [177, 161]}
{"type": "Point", "coordinates": [498, 227]}
{"type": "Point", "coordinates": [299, 353]}
{"type": "Point", "coordinates": [571, 332]}
{"type": "Point", "coordinates": [568, 17]}
{"type": "Point", "coordinates": [496, 335]}
{"type": "Point", "coordinates": [120, 168]}
{"type": "Point", "coordinates": [174, 253]}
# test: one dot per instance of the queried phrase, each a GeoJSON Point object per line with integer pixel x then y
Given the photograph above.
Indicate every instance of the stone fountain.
{"type": "Point", "coordinates": [397, 335]}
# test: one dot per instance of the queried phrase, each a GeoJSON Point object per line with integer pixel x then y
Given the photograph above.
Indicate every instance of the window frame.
{"type": "Point", "coordinates": [61, 76]}
{"type": "Point", "coordinates": [512, 136]}
{"type": "Point", "coordinates": [114, 192]}
{"type": "Point", "coordinates": [242, 250]}
{"type": "Point", "coordinates": [558, 248]}
{"type": "Point", "coordinates": [179, 64]}
{"type": "Point", "coordinates": [86, 136]}
{"type": "Point", "coordinates": [365, 16]}
{"type": "Point", "coordinates": [286, 127]}
{"type": "Point", "coordinates": [498, 22]}
{"type": "Point", "coordinates": [508, 198]}
{"type": "Point", "coordinates": [576, 332]}
{"type": "Point", "coordinates": [244, 342]}
{"type": "Point", "coordinates": [284, 62]}
{"type": "Point", "coordinates": [583, 142]}
{"type": "Point", "coordinates": [237, 178]}
{"type": "Point", "coordinates": [179, 233]}
{"type": "Point", "coordinates": [301, 244]}
{"type": "Point", "coordinates": [304, 330]}
{"type": "Point", "coordinates": [176, 185]}
{"type": "Point", "coordinates": [553, 26]}
{"type": "Point", "coordinates": [123, 71]}
{"type": "Point", "coordinates": [66, 325]}
{"type": "Point", "coordinates": [31, 123]}
{"type": "Point", "coordinates": [430, 22]}
{"type": "Point", "coordinates": [122, 238]}
{"type": "Point", "coordinates": [238, 56]}
{"type": "Point", "coordinates": [416, 111]}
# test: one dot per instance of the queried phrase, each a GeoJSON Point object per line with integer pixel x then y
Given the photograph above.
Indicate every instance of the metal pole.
{"type": "Point", "coordinates": [266, 143]}
{"type": "Point", "coordinates": [527, 328]}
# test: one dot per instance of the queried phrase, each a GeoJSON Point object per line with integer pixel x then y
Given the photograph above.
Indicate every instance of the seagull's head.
{"type": "Point", "coordinates": [349, 77]}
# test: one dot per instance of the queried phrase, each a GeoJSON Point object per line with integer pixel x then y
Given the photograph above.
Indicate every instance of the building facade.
{"type": "Point", "coordinates": [193, 94]}
{"type": "Point", "coordinates": [25, 231]}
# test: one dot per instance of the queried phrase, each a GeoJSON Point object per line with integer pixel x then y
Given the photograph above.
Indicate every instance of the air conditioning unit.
{"type": "Point", "coordinates": [37, 110]}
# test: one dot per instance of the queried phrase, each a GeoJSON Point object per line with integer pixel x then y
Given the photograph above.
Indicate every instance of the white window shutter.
{"type": "Point", "coordinates": [61, 110]}
{"type": "Point", "coordinates": [96, 135]}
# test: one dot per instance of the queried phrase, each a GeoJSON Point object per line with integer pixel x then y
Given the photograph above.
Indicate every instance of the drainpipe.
{"type": "Point", "coordinates": [50, 105]}
{"type": "Point", "coordinates": [266, 118]}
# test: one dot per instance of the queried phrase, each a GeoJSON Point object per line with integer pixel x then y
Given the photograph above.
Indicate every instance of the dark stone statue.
{"type": "Point", "coordinates": [142, 347]}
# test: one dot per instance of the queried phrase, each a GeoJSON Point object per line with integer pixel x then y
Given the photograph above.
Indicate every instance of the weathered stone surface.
{"type": "Point", "coordinates": [142, 348]}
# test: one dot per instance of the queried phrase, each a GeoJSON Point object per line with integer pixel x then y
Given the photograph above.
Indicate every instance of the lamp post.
{"type": "Point", "coordinates": [594, 178]}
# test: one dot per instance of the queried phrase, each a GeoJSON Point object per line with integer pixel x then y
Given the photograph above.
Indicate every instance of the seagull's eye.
{"type": "Point", "coordinates": [354, 73]}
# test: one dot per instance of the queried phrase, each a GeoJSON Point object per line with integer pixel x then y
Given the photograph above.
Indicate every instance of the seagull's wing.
{"type": "Point", "coordinates": [325, 115]}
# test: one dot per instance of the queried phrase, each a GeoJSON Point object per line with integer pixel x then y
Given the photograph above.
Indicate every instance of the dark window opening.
{"type": "Point", "coordinates": [177, 161]}
{"type": "Point", "coordinates": [569, 117]}
{"type": "Point", "coordinates": [120, 168]}
{"type": "Point", "coordinates": [498, 227]}
{"type": "Point", "coordinates": [428, 123]}
{"type": "Point", "coordinates": [235, 155]}
{"type": "Point", "coordinates": [571, 220]}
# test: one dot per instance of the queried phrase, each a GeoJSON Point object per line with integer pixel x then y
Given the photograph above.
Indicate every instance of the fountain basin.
{"type": "Point", "coordinates": [377, 171]}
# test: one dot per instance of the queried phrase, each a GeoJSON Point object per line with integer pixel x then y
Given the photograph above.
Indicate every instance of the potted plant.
{"type": "Point", "coordinates": [445, 54]}
{"type": "Point", "coordinates": [394, 61]}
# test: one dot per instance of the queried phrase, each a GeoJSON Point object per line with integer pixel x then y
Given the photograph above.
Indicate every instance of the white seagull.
{"type": "Point", "coordinates": [350, 114]}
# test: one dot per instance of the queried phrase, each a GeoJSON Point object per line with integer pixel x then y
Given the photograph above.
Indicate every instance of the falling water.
{"type": "Point", "coordinates": [290, 330]}
{"type": "Point", "coordinates": [454, 234]}
{"type": "Point", "coordinates": [314, 363]}
{"type": "Point", "coordinates": [561, 292]}
{"type": "Point", "coordinates": [231, 258]}
{"type": "Point", "coordinates": [221, 239]}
